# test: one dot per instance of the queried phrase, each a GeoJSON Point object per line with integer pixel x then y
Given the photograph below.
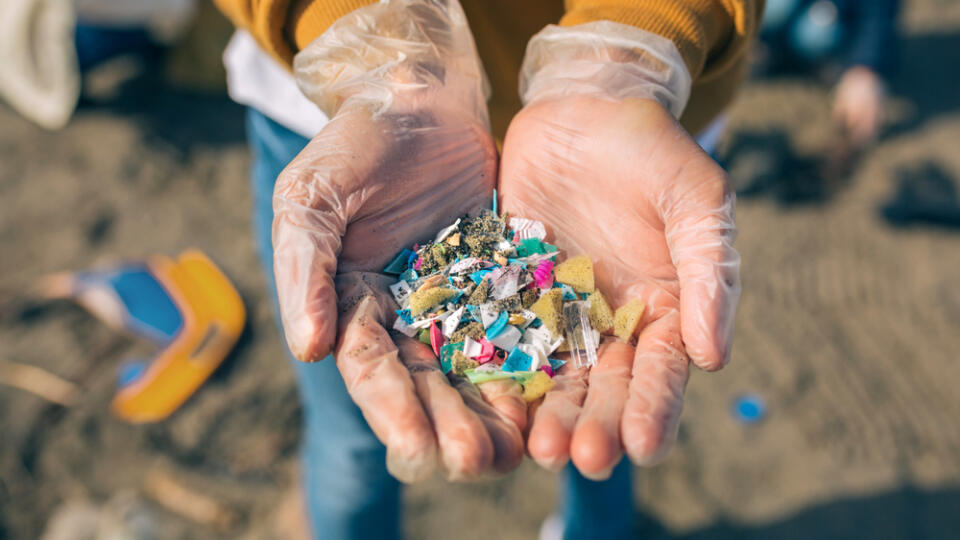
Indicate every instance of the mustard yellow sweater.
{"type": "Point", "coordinates": [712, 36]}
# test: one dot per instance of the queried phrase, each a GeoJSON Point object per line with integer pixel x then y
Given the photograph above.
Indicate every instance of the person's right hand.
{"type": "Point", "coordinates": [406, 152]}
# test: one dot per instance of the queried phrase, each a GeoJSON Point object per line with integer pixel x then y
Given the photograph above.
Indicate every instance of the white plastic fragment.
{"type": "Point", "coordinates": [401, 326]}
{"type": "Point", "coordinates": [471, 348]}
{"type": "Point", "coordinates": [401, 293]}
{"type": "Point", "coordinates": [463, 265]}
{"type": "Point", "coordinates": [450, 323]}
{"type": "Point", "coordinates": [488, 314]}
{"type": "Point", "coordinates": [527, 228]}
{"type": "Point", "coordinates": [537, 355]}
{"type": "Point", "coordinates": [506, 284]}
{"type": "Point", "coordinates": [425, 323]}
{"type": "Point", "coordinates": [443, 234]}
{"type": "Point", "coordinates": [508, 339]}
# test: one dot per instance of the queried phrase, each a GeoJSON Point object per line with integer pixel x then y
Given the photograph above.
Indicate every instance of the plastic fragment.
{"type": "Point", "coordinates": [548, 310]}
{"type": "Point", "coordinates": [579, 334]}
{"type": "Point", "coordinates": [498, 326]}
{"type": "Point", "coordinates": [410, 276]}
{"type": "Point", "coordinates": [507, 339]}
{"type": "Point", "coordinates": [421, 301]}
{"type": "Point", "coordinates": [749, 408]}
{"type": "Point", "coordinates": [401, 293]}
{"type": "Point", "coordinates": [447, 231]}
{"type": "Point", "coordinates": [436, 338]}
{"type": "Point", "coordinates": [527, 228]}
{"type": "Point", "coordinates": [446, 355]}
{"type": "Point", "coordinates": [423, 336]}
{"type": "Point", "coordinates": [489, 314]}
{"type": "Point", "coordinates": [450, 323]}
{"type": "Point", "coordinates": [404, 328]}
{"type": "Point", "coordinates": [517, 360]}
{"type": "Point", "coordinates": [399, 263]}
{"type": "Point", "coordinates": [544, 274]}
{"type": "Point", "coordinates": [537, 386]}
{"type": "Point", "coordinates": [627, 318]}
{"type": "Point", "coordinates": [548, 370]}
{"type": "Point", "coordinates": [601, 316]}
{"type": "Point", "coordinates": [576, 272]}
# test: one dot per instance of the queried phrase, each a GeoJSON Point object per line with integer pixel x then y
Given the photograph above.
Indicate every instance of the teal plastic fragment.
{"type": "Point", "coordinates": [410, 276]}
{"type": "Point", "coordinates": [530, 246]}
{"type": "Point", "coordinates": [556, 363]}
{"type": "Point", "coordinates": [495, 202]}
{"type": "Point", "coordinates": [446, 355]}
{"type": "Point", "coordinates": [399, 264]}
{"type": "Point", "coordinates": [517, 360]}
{"type": "Point", "coordinates": [498, 325]}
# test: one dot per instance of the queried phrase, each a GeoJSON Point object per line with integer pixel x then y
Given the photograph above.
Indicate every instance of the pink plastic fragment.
{"type": "Point", "coordinates": [486, 353]}
{"type": "Point", "coordinates": [417, 263]}
{"type": "Point", "coordinates": [544, 274]}
{"type": "Point", "coordinates": [436, 338]}
{"type": "Point", "coordinates": [548, 370]}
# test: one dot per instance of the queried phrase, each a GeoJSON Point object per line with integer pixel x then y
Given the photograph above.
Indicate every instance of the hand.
{"type": "Point", "coordinates": [858, 104]}
{"type": "Point", "coordinates": [406, 152]}
{"type": "Point", "coordinates": [622, 182]}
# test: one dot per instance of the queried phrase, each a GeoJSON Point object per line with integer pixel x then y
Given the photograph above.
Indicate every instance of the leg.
{"type": "Point", "coordinates": [597, 509]}
{"type": "Point", "coordinates": [349, 492]}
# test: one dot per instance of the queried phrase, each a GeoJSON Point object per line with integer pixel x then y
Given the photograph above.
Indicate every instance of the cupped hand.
{"type": "Point", "coordinates": [406, 152]}
{"type": "Point", "coordinates": [621, 181]}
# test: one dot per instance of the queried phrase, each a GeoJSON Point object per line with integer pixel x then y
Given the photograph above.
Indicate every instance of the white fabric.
{"type": "Point", "coordinates": [255, 79]}
{"type": "Point", "coordinates": [38, 65]}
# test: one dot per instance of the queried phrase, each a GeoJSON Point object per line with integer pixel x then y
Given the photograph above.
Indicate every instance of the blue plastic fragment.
{"type": "Point", "coordinates": [556, 363]}
{"type": "Point", "coordinates": [399, 263]}
{"type": "Point", "coordinates": [474, 312]}
{"type": "Point", "coordinates": [411, 257]}
{"type": "Point", "coordinates": [405, 315]}
{"type": "Point", "coordinates": [410, 276]}
{"type": "Point", "coordinates": [495, 202]}
{"type": "Point", "coordinates": [517, 360]}
{"type": "Point", "coordinates": [498, 325]}
{"type": "Point", "coordinates": [477, 276]}
{"type": "Point", "coordinates": [517, 262]}
{"type": "Point", "coordinates": [568, 293]}
{"type": "Point", "coordinates": [749, 408]}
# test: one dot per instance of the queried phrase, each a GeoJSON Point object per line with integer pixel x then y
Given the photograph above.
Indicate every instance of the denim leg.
{"type": "Point", "coordinates": [597, 509]}
{"type": "Point", "coordinates": [349, 493]}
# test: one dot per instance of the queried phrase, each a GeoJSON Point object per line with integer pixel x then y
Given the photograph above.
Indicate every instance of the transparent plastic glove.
{"type": "Point", "coordinates": [406, 152]}
{"type": "Point", "coordinates": [613, 175]}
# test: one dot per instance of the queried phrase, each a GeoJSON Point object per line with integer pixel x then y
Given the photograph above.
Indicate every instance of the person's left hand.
{"type": "Point", "coordinates": [622, 182]}
{"type": "Point", "coordinates": [858, 104]}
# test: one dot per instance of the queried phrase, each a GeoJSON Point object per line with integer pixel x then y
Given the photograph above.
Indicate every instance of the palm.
{"type": "Point", "coordinates": [615, 180]}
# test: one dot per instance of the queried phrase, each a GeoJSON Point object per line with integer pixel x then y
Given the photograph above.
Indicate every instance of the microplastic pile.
{"type": "Point", "coordinates": [490, 298]}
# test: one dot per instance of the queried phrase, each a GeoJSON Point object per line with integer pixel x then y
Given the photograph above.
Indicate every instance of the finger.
{"type": "Point", "coordinates": [506, 436]}
{"type": "Point", "coordinates": [652, 413]}
{"type": "Point", "coordinates": [700, 231]}
{"type": "Point", "coordinates": [466, 448]}
{"type": "Point", "coordinates": [506, 396]}
{"type": "Point", "coordinates": [551, 422]}
{"type": "Point", "coordinates": [381, 386]}
{"type": "Point", "coordinates": [308, 225]}
{"type": "Point", "coordinates": [595, 447]}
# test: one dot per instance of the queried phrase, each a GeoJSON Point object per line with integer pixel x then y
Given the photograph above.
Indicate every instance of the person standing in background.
{"type": "Point", "coordinates": [388, 137]}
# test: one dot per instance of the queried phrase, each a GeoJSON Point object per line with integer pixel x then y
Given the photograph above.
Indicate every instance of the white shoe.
{"type": "Point", "coordinates": [552, 528]}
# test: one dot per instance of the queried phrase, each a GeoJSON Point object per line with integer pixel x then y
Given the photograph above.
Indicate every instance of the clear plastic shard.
{"type": "Point", "coordinates": [579, 334]}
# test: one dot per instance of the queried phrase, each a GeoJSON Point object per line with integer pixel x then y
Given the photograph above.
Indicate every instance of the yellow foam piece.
{"type": "Point", "coordinates": [627, 318]}
{"type": "Point", "coordinates": [577, 273]}
{"type": "Point", "coordinates": [537, 386]}
{"type": "Point", "coordinates": [601, 316]}
{"type": "Point", "coordinates": [422, 300]}
{"type": "Point", "coordinates": [549, 309]}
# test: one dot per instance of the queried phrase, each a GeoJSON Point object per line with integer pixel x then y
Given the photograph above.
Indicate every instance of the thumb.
{"type": "Point", "coordinates": [308, 225]}
{"type": "Point", "coordinates": [700, 230]}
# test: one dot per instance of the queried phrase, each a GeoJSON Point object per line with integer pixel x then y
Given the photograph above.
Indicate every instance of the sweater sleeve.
{"type": "Point", "coordinates": [712, 35]}
{"type": "Point", "coordinates": [283, 27]}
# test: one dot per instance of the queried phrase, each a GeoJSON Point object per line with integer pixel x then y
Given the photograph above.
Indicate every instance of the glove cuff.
{"type": "Point", "coordinates": [604, 59]}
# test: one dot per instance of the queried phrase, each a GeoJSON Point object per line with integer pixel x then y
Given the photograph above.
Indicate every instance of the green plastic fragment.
{"type": "Point", "coordinates": [480, 377]}
{"type": "Point", "coordinates": [424, 336]}
{"type": "Point", "coordinates": [530, 246]}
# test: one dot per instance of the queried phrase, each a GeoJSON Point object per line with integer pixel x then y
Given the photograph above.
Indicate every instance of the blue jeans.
{"type": "Point", "coordinates": [349, 493]}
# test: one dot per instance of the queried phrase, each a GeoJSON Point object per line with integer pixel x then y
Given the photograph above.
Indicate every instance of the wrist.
{"type": "Point", "coordinates": [606, 60]}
